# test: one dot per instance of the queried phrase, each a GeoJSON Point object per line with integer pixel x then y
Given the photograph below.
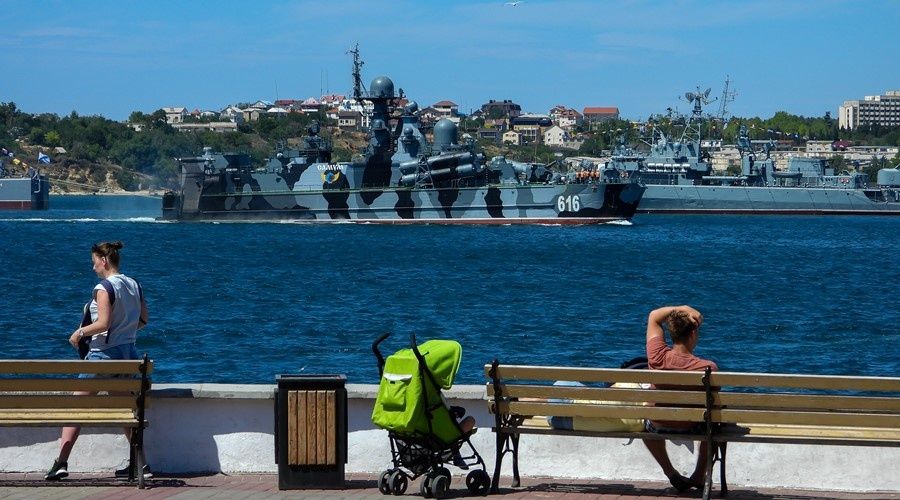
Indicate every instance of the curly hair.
{"type": "Point", "coordinates": [680, 325]}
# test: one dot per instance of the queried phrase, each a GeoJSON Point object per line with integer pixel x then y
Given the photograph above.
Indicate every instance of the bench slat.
{"type": "Point", "coordinates": [807, 401]}
{"type": "Point", "coordinates": [790, 417]}
{"type": "Point", "coordinates": [613, 411]}
{"type": "Point", "coordinates": [70, 384]}
{"type": "Point", "coordinates": [749, 400]}
{"type": "Point", "coordinates": [67, 401]}
{"type": "Point", "coordinates": [40, 367]}
{"type": "Point", "coordinates": [600, 394]}
{"type": "Point", "coordinates": [550, 373]}
{"type": "Point", "coordinates": [808, 431]}
{"type": "Point", "coordinates": [825, 382]}
{"type": "Point", "coordinates": [54, 414]}
{"type": "Point", "coordinates": [835, 436]}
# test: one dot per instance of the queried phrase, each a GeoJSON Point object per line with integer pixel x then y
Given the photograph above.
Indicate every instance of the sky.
{"type": "Point", "coordinates": [109, 58]}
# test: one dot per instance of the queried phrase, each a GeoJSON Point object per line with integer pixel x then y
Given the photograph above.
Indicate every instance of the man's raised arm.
{"type": "Point", "coordinates": [658, 316]}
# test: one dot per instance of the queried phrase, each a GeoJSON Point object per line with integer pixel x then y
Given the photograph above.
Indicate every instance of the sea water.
{"type": "Point", "coordinates": [242, 302]}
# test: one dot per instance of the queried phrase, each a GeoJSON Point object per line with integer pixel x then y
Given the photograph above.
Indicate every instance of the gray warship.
{"type": "Point", "coordinates": [679, 180]}
{"type": "Point", "coordinates": [27, 192]}
{"type": "Point", "coordinates": [401, 178]}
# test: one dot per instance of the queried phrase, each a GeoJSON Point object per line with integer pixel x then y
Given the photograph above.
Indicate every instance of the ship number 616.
{"type": "Point", "coordinates": [569, 203]}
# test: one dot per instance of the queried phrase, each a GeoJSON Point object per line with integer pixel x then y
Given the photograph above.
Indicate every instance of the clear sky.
{"type": "Point", "coordinates": [114, 57]}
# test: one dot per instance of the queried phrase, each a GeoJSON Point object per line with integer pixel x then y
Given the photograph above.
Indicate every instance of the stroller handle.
{"type": "Point", "coordinates": [377, 352]}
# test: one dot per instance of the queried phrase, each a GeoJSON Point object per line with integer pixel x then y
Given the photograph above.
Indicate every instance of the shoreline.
{"type": "Point", "coordinates": [143, 194]}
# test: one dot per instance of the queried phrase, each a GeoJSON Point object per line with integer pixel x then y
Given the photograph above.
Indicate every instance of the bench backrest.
{"type": "Point", "coordinates": [529, 391]}
{"type": "Point", "coordinates": [49, 384]}
{"type": "Point", "coordinates": [811, 400]}
{"type": "Point", "coordinates": [815, 400]}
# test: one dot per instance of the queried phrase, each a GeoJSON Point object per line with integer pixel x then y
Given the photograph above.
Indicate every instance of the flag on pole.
{"type": "Point", "coordinates": [43, 158]}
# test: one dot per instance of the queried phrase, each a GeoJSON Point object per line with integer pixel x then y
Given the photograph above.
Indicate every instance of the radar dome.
{"type": "Point", "coordinates": [382, 87]}
{"type": "Point", "coordinates": [444, 134]}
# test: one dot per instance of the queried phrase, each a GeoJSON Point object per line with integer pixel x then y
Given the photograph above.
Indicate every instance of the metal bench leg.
{"type": "Point", "coordinates": [132, 455]}
{"type": "Point", "coordinates": [724, 488]}
{"type": "Point", "coordinates": [137, 450]}
{"type": "Point", "coordinates": [707, 480]}
{"type": "Point", "coordinates": [498, 461]}
{"type": "Point", "coordinates": [515, 465]}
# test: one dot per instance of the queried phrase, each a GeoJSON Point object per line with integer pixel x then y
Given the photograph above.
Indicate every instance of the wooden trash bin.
{"type": "Point", "coordinates": [310, 431]}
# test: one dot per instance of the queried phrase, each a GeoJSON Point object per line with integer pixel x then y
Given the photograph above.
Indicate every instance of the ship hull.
{"type": "Point", "coordinates": [505, 204]}
{"type": "Point", "coordinates": [689, 199]}
{"type": "Point", "coordinates": [24, 193]}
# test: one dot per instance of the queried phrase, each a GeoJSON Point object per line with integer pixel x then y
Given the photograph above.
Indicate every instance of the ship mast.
{"type": "Point", "coordinates": [359, 90]}
{"type": "Point", "coordinates": [727, 97]}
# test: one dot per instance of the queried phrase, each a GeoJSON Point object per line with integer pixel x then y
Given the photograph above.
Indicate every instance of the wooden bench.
{"type": "Point", "coordinates": [40, 393]}
{"type": "Point", "coordinates": [741, 407]}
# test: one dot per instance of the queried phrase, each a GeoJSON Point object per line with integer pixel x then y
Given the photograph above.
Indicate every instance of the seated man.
{"type": "Point", "coordinates": [683, 323]}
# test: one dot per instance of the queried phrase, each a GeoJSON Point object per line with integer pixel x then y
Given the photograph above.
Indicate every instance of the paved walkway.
{"type": "Point", "coordinates": [265, 486]}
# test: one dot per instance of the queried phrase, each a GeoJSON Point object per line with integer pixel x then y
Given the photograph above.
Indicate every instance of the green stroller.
{"type": "Point", "coordinates": [424, 433]}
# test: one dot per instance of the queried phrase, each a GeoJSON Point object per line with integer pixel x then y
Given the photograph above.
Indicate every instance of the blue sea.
{"type": "Point", "coordinates": [242, 302]}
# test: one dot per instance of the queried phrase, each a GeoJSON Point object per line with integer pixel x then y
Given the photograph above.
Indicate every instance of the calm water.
{"type": "Point", "coordinates": [243, 302]}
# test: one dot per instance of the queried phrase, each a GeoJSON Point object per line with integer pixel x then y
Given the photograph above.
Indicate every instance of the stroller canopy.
{"type": "Point", "coordinates": [442, 357]}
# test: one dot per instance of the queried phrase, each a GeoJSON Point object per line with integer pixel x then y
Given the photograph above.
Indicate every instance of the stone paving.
{"type": "Point", "coordinates": [265, 486]}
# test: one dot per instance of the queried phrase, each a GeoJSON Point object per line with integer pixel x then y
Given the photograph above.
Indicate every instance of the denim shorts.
{"type": "Point", "coordinates": [119, 352]}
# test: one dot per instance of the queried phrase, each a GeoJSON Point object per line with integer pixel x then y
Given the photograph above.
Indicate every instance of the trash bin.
{"type": "Point", "coordinates": [310, 431]}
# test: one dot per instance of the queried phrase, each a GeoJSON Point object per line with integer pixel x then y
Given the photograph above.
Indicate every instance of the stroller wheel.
{"type": "Point", "coordinates": [478, 482]}
{"type": "Point", "coordinates": [384, 485]}
{"type": "Point", "coordinates": [443, 471]}
{"type": "Point", "coordinates": [398, 483]}
{"type": "Point", "coordinates": [425, 486]}
{"type": "Point", "coordinates": [440, 485]}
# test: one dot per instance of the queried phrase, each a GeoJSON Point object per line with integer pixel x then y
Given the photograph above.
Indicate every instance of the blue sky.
{"type": "Point", "coordinates": [114, 57]}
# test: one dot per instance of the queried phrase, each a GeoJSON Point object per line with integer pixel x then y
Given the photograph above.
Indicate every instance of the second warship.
{"type": "Point", "coordinates": [679, 180]}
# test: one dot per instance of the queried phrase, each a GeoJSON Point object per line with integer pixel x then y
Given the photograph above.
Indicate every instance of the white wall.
{"type": "Point", "coordinates": [229, 428]}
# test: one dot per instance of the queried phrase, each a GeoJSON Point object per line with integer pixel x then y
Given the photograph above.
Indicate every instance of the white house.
{"type": "Point", "coordinates": [512, 137]}
{"type": "Point", "coordinates": [556, 136]}
{"type": "Point", "coordinates": [175, 115]}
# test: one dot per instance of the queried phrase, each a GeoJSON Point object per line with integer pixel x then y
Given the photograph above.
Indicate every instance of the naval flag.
{"type": "Point", "coordinates": [43, 158]}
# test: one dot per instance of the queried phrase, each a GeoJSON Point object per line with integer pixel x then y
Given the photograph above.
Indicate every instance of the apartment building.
{"type": "Point", "coordinates": [881, 110]}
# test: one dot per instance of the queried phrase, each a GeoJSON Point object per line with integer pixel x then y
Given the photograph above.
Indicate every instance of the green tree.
{"type": "Point", "coordinates": [52, 138]}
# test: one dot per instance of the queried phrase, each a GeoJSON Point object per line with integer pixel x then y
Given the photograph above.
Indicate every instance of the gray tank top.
{"type": "Point", "coordinates": [125, 314]}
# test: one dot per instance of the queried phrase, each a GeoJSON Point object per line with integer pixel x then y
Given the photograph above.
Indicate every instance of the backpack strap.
{"type": "Point", "coordinates": [107, 285]}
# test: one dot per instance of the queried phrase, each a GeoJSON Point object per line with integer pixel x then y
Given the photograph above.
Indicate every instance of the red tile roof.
{"type": "Point", "coordinates": [444, 104]}
{"type": "Point", "coordinates": [601, 111]}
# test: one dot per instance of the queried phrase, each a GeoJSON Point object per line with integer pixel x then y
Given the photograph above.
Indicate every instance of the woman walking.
{"type": "Point", "coordinates": [118, 311]}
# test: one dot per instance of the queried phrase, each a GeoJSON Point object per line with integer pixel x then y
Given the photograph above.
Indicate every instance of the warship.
{"type": "Point", "coordinates": [401, 178]}
{"type": "Point", "coordinates": [678, 176]}
{"type": "Point", "coordinates": [28, 192]}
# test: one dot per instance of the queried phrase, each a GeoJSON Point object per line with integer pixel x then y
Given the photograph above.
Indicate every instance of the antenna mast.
{"type": "Point", "coordinates": [698, 99]}
{"type": "Point", "coordinates": [359, 90]}
{"type": "Point", "coordinates": [727, 97]}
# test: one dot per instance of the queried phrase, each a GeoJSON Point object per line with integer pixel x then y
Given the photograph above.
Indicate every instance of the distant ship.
{"type": "Point", "coordinates": [401, 178]}
{"type": "Point", "coordinates": [28, 192]}
{"type": "Point", "coordinates": [679, 180]}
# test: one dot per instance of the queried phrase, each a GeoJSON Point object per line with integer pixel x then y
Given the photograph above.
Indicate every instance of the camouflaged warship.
{"type": "Point", "coordinates": [679, 180]}
{"type": "Point", "coordinates": [400, 178]}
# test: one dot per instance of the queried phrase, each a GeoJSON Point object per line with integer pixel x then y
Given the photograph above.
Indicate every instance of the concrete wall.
{"type": "Point", "coordinates": [229, 428]}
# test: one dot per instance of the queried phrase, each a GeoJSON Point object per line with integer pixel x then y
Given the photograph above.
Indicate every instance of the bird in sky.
{"type": "Point", "coordinates": [514, 4]}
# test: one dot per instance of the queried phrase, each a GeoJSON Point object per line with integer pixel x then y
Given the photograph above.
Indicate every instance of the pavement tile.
{"type": "Point", "coordinates": [360, 486]}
